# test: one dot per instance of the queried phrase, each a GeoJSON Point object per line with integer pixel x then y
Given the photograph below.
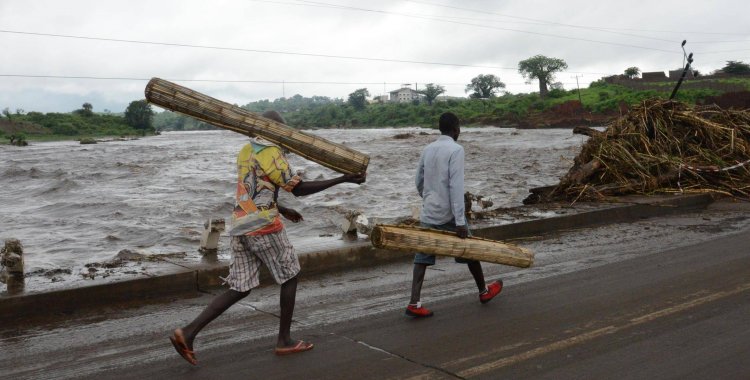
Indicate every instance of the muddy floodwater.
{"type": "Point", "coordinates": [72, 204]}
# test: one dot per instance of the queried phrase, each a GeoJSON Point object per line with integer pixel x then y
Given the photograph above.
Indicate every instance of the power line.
{"type": "Point", "coordinates": [193, 80]}
{"type": "Point", "coordinates": [569, 25]}
{"type": "Point", "coordinates": [316, 4]}
{"type": "Point", "coordinates": [433, 18]}
{"type": "Point", "coordinates": [450, 19]}
{"type": "Point", "coordinates": [141, 42]}
{"type": "Point", "coordinates": [546, 22]}
{"type": "Point", "coordinates": [225, 80]}
{"type": "Point", "coordinates": [529, 21]}
{"type": "Point", "coordinates": [721, 51]}
{"type": "Point", "coordinates": [719, 42]}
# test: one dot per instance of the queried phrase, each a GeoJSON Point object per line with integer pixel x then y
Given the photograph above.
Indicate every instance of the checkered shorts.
{"type": "Point", "coordinates": [248, 252]}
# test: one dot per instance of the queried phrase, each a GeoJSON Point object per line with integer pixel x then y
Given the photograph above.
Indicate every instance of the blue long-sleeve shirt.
{"type": "Point", "coordinates": [440, 182]}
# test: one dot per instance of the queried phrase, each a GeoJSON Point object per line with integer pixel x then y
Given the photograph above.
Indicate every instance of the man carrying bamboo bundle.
{"type": "Point", "coordinates": [258, 236]}
{"type": "Point", "coordinates": [440, 182]}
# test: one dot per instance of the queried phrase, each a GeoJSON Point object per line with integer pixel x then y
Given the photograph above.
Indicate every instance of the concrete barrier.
{"type": "Point", "coordinates": [632, 209]}
{"type": "Point", "coordinates": [317, 257]}
{"type": "Point", "coordinates": [68, 301]}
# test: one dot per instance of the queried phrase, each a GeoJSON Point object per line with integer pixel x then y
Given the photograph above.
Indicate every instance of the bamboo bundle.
{"type": "Point", "coordinates": [443, 243]}
{"type": "Point", "coordinates": [660, 146]}
{"type": "Point", "coordinates": [224, 115]}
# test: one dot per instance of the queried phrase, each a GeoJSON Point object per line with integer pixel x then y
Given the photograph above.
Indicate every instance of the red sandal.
{"type": "Point", "coordinates": [301, 346]}
{"type": "Point", "coordinates": [178, 341]}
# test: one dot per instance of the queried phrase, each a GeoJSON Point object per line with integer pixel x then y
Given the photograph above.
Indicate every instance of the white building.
{"type": "Point", "coordinates": [404, 95]}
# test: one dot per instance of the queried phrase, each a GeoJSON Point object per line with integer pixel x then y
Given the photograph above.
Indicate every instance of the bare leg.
{"type": "Point", "coordinates": [416, 284]}
{"type": "Point", "coordinates": [219, 305]}
{"type": "Point", "coordinates": [287, 299]}
{"type": "Point", "coordinates": [475, 267]}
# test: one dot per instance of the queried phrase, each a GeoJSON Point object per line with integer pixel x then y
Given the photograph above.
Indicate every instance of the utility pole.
{"type": "Point", "coordinates": [579, 88]}
{"type": "Point", "coordinates": [283, 89]}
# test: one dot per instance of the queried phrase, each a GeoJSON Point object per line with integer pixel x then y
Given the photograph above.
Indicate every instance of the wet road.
{"type": "Point", "coordinates": [595, 307]}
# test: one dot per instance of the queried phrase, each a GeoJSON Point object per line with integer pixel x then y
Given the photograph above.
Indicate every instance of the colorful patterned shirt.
{"type": "Point", "coordinates": [261, 170]}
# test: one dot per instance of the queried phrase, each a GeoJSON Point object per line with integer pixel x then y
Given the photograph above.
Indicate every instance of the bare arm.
{"type": "Point", "coordinates": [311, 187]}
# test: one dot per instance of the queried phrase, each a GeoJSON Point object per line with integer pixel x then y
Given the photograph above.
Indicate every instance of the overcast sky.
{"type": "Point", "coordinates": [595, 38]}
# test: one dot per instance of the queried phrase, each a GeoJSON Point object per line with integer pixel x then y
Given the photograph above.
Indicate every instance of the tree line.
{"type": "Point", "coordinates": [137, 119]}
{"type": "Point", "coordinates": [356, 110]}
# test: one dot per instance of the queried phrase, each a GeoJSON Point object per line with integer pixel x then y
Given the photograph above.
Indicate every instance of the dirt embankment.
{"type": "Point", "coordinates": [565, 115]}
{"type": "Point", "coordinates": [568, 115]}
{"type": "Point", "coordinates": [737, 100]}
{"type": "Point", "coordinates": [572, 113]}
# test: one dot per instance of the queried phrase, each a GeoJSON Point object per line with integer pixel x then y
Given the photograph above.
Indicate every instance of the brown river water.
{"type": "Point", "coordinates": [72, 204]}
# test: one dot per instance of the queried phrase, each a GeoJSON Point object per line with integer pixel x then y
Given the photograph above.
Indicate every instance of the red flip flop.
{"type": "Point", "coordinates": [301, 346]}
{"type": "Point", "coordinates": [178, 341]}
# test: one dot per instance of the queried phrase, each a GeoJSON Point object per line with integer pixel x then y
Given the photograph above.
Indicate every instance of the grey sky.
{"type": "Point", "coordinates": [646, 34]}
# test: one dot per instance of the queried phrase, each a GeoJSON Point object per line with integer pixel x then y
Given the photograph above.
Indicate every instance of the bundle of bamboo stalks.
{"type": "Point", "coordinates": [442, 243]}
{"type": "Point", "coordinates": [660, 146]}
{"type": "Point", "coordinates": [224, 115]}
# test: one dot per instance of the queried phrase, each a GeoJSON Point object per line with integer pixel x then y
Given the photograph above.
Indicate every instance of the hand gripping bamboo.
{"type": "Point", "coordinates": [224, 115]}
{"type": "Point", "coordinates": [442, 243]}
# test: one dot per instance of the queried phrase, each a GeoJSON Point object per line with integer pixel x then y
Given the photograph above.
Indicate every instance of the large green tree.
{"type": "Point", "coordinates": [484, 86]}
{"type": "Point", "coordinates": [431, 91]}
{"type": "Point", "coordinates": [86, 109]}
{"type": "Point", "coordinates": [632, 72]}
{"type": "Point", "coordinates": [736, 67]}
{"type": "Point", "coordinates": [542, 69]}
{"type": "Point", "coordinates": [358, 98]}
{"type": "Point", "coordinates": [139, 115]}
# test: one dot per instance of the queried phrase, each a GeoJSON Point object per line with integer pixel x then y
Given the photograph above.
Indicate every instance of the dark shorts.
{"type": "Point", "coordinates": [421, 258]}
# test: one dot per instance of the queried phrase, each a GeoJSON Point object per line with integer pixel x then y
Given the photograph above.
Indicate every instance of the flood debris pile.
{"type": "Point", "coordinates": [660, 146]}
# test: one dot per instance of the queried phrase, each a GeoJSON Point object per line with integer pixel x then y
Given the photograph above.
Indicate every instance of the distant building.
{"type": "Point", "coordinates": [676, 74]}
{"type": "Point", "coordinates": [404, 95]}
{"type": "Point", "coordinates": [653, 75]}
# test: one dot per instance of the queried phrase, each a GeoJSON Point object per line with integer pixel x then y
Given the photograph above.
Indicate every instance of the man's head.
{"type": "Point", "coordinates": [273, 115]}
{"type": "Point", "coordinates": [449, 125]}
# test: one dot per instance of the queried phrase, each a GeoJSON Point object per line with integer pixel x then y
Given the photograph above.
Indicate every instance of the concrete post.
{"type": "Point", "coordinates": [353, 222]}
{"type": "Point", "coordinates": [210, 237]}
{"type": "Point", "coordinates": [11, 259]}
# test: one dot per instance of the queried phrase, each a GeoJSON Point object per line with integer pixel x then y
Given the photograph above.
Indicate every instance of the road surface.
{"type": "Point", "coordinates": [614, 302]}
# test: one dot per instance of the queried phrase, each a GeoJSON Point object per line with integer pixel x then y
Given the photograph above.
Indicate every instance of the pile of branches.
{"type": "Point", "coordinates": [660, 146]}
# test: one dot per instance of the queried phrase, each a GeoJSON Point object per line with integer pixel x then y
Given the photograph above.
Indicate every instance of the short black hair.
{"type": "Point", "coordinates": [448, 122]}
{"type": "Point", "coordinates": [275, 116]}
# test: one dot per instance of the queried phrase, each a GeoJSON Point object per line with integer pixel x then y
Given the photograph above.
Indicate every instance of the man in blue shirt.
{"type": "Point", "coordinates": [440, 182]}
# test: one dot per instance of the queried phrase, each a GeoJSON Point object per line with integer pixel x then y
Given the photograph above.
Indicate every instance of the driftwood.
{"type": "Point", "coordinates": [660, 146]}
{"type": "Point", "coordinates": [227, 116]}
{"type": "Point", "coordinates": [584, 172]}
{"type": "Point", "coordinates": [587, 131]}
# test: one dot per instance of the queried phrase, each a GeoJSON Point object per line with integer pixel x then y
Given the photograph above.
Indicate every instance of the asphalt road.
{"type": "Point", "coordinates": [657, 314]}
